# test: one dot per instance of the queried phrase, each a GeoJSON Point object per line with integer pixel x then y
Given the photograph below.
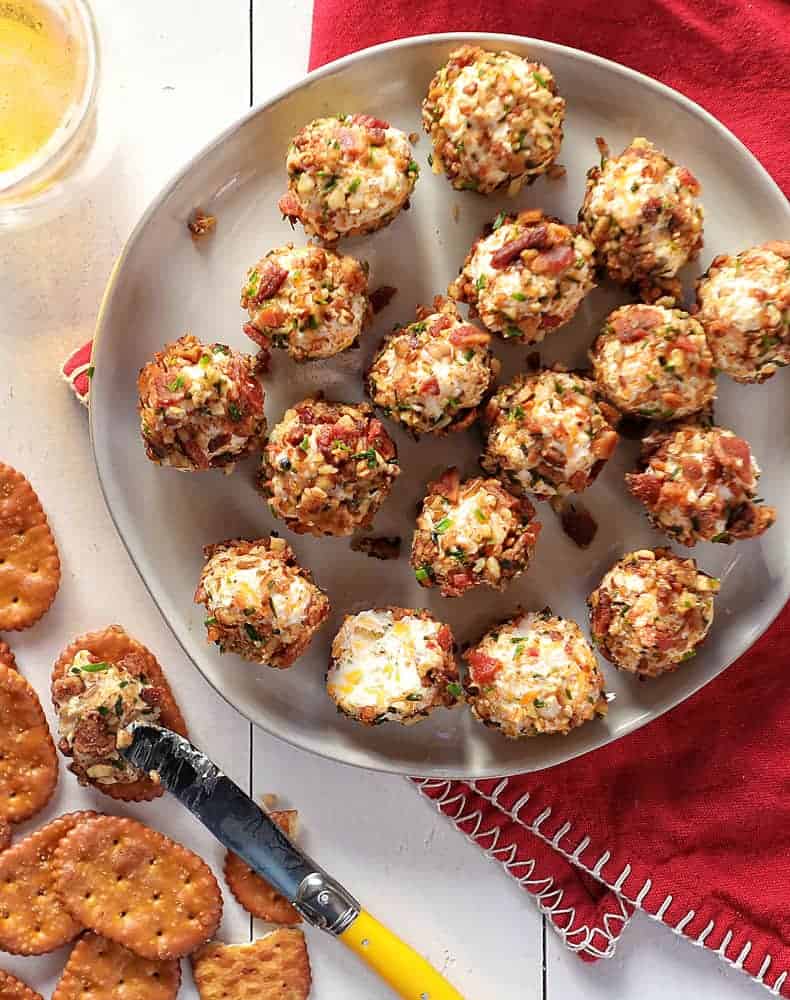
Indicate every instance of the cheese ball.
{"type": "Point", "coordinates": [260, 603]}
{"type": "Point", "coordinates": [699, 484]}
{"type": "Point", "coordinates": [548, 434]}
{"type": "Point", "coordinates": [641, 211]}
{"type": "Point", "coordinates": [534, 674]}
{"type": "Point", "coordinates": [431, 376]}
{"type": "Point", "coordinates": [309, 301]}
{"type": "Point", "coordinates": [743, 302]}
{"type": "Point", "coordinates": [200, 406]}
{"type": "Point", "coordinates": [348, 175]}
{"type": "Point", "coordinates": [651, 611]}
{"type": "Point", "coordinates": [526, 277]}
{"type": "Point", "coordinates": [494, 118]}
{"type": "Point", "coordinates": [472, 533]}
{"type": "Point", "coordinates": [95, 701]}
{"type": "Point", "coordinates": [652, 361]}
{"type": "Point", "coordinates": [328, 467]}
{"type": "Point", "coordinates": [392, 665]}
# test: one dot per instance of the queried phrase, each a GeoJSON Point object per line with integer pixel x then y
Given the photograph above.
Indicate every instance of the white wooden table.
{"type": "Point", "coordinates": [175, 73]}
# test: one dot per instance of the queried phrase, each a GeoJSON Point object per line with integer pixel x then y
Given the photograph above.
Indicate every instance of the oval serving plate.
{"type": "Point", "coordinates": [165, 284]}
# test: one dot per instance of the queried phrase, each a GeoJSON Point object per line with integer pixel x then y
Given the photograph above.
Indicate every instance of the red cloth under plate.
{"type": "Point", "coordinates": [689, 817]}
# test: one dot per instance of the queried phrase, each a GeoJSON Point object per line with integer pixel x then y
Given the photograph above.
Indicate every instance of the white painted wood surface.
{"type": "Point", "coordinates": [175, 73]}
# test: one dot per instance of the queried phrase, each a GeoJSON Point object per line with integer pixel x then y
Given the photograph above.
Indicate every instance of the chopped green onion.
{"type": "Point", "coordinates": [455, 689]}
{"type": "Point", "coordinates": [252, 632]}
{"type": "Point", "coordinates": [95, 668]}
{"type": "Point", "coordinates": [421, 573]}
{"type": "Point", "coordinates": [443, 525]}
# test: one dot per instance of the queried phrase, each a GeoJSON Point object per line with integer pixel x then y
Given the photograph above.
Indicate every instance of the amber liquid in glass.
{"type": "Point", "coordinates": [41, 78]}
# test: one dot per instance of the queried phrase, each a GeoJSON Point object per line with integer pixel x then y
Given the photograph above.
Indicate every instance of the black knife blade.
{"type": "Point", "coordinates": [240, 824]}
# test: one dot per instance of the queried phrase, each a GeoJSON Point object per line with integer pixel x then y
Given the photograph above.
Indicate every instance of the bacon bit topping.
{"type": "Point", "coordinates": [467, 335]}
{"type": "Point", "coordinates": [271, 279]}
{"type": "Point", "coordinates": [381, 297]}
{"type": "Point", "coordinates": [686, 344]}
{"type": "Point", "coordinates": [686, 177]}
{"type": "Point", "coordinates": [445, 637]}
{"type": "Point", "coordinates": [734, 453]}
{"type": "Point", "coordinates": [448, 483]}
{"type": "Point", "coordinates": [602, 615]}
{"type": "Point", "coordinates": [645, 487]}
{"type": "Point", "coordinates": [553, 261]}
{"type": "Point", "coordinates": [483, 668]}
{"type": "Point", "coordinates": [549, 322]}
{"type": "Point", "coordinates": [535, 237]}
{"type": "Point", "coordinates": [289, 205]}
{"type": "Point", "coordinates": [635, 324]}
{"type": "Point", "coordinates": [368, 121]}
{"type": "Point", "coordinates": [430, 387]}
{"type": "Point", "coordinates": [380, 440]}
{"type": "Point", "coordinates": [194, 452]}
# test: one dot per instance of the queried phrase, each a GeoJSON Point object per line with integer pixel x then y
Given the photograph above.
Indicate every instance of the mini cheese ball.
{"type": "Point", "coordinates": [494, 118]}
{"type": "Point", "coordinates": [260, 603]}
{"type": "Point", "coordinates": [699, 484]}
{"type": "Point", "coordinates": [432, 375]}
{"type": "Point", "coordinates": [534, 674]}
{"type": "Point", "coordinates": [472, 533]}
{"type": "Point", "coordinates": [309, 301]}
{"type": "Point", "coordinates": [652, 361]}
{"type": "Point", "coordinates": [641, 212]}
{"type": "Point", "coordinates": [743, 302]}
{"type": "Point", "coordinates": [527, 276]}
{"type": "Point", "coordinates": [392, 665]}
{"type": "Point", "coordinates": [200, 406]}
{"type": "Point", "coordinates": [328, 467]}
{"type": "Point", "coordinates": [348, 175]}
{"type": "Point", "coordinates": [651, 611]}
{"type": "Point", "coordinates": [548, 434]}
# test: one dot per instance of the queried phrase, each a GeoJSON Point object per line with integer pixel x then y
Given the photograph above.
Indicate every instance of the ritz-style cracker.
{"type": "Point", "coordinates": [102, 682]}
{"type": "Point", "coordinates": [104, 970]}
{"type": "Point", "coordinates": [275, 967]}
{"type": "Point", "coordinates": [29, 562]}
{"type": "Point", "coordinates": [137, 887]}
{"type": "Point", "coordinates": [35, 920]}
{"type": "Point", "coordinates": [28, 762]}
{"type": "Point", "coordinates": [7, 657]}
{"type": "Point", "coordinates": [12, 988]}
{"type": "Point", "coordinates": [253, 892]}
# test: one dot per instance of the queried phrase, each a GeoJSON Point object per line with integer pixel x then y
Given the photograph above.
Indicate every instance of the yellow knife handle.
{"type": "Point", "coordinates": [398, 964]}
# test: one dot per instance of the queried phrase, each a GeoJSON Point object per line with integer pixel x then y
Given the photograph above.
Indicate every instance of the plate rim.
{"type": "Point", "coordinates": [380, 765]}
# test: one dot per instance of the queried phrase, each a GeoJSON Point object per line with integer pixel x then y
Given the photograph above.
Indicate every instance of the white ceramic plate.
{"type": "Point", "coordinates": [165, 285]}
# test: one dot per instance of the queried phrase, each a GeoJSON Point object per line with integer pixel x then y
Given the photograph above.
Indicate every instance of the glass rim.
{"type": "Point", "coordinates": [37, 168]}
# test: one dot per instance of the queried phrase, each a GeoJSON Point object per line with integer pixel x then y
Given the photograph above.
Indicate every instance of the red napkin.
{"type": "Point", "coordinates": [685, 818]}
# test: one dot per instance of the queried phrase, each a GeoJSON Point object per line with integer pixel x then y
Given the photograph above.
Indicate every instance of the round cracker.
{"type": "Point", "coordinates": [28, 762]}
{"type": "Point", "coordinates": [29, 562]}
{"type": "Point", "coordinates": [252, 891]}
{"type": "Point", "coordinates": [133, 885]}
{"type": "Point", "coordinates": [111, 644]}
{"type": "Point", "coordinates": [104, 970]}
{"type": "Point", "coordinates": [33, 920]}
{"type": "Point", "coordinates": [7, 657]}
{"type": "Point", "coordinates": [12, 988]}
{"type": "Point", "coordinates": [275, 967]}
